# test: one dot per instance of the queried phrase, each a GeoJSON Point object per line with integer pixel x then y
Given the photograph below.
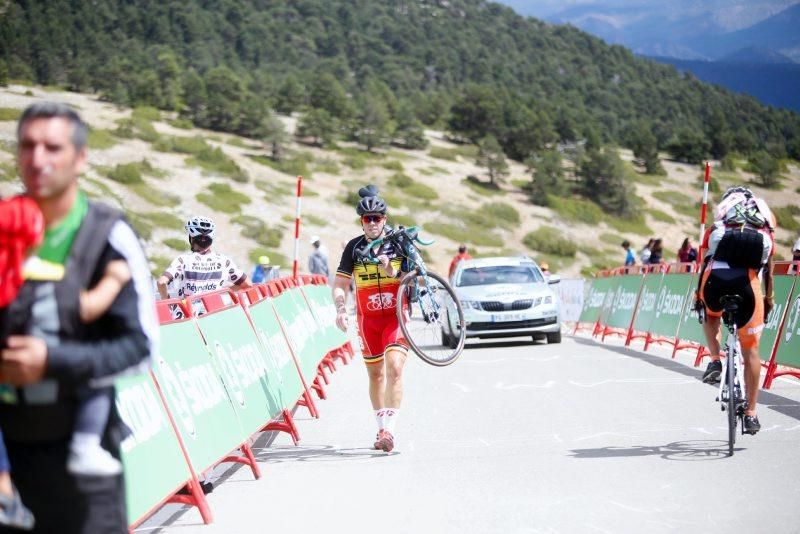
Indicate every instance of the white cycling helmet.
{"type": "Point", "coordinates": [197, 226]}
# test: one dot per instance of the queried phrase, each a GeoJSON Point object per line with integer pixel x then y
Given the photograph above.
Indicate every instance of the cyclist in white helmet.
{"type": "Point", "coordinates": [201, 270]}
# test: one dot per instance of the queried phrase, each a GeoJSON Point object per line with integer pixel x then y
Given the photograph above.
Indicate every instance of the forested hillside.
{"type": "Point", "coordinates": [373, 70]}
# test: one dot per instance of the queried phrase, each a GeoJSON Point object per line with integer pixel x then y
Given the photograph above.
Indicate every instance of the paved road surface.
{"type": "Point", "coordinates": [521, 437]}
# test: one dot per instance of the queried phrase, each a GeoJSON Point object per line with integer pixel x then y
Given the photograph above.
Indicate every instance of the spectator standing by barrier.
{"type": "Point", "coordinates": [687, 253]}
{"type": "Point", "coordinates": [545, 268]}
{"type": "Point", "coordinates": [656, 253]}
{"type": "Point", "coordinates": [264, 272]}
{"type": "Point", "coordinates": [201, 271]}
{"type": "Point", "coordinates": [644, 254]}
{"type": "Point", "coordinates": [630, 259]}
{"type": "Point", "coordinates": [318, 261]}
{"type": "Point", "coordinates": [795, 255]}
{"type": "Point", "coordinates": [48, 354]}
{"type": "Point", "coordinates": [462, 255]}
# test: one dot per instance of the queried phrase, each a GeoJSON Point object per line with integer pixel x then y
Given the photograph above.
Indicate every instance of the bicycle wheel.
{"type": "Point", "coordinates": [424, 304]}
{"type": "Point", "coordinates": [730, 375]}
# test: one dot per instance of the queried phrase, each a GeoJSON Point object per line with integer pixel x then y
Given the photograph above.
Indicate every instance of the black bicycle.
{"type": "Point", "coordinates": [425, 301]}
{"type": "Point", "coordinates": [731, 387]}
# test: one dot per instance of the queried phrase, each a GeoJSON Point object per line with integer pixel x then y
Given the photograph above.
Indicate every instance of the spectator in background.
{"type": "Point", "coordinates": [318, 261]}
{"type": "Point", "coordinates": [48, 355]}
{"type": "Point", "coordinates": [630, 259]}
{"type": "Point", "coordinates": [656, 253]}
{"type": "Point", "coordinates": [462, 255]}
{"type": "Point", "coordinates": [264, 272]}
{"type": "Point", "coordinates": [545, 267]}
{"type": "Point", "coordinates": [687, 252]}
{"type": "Point", "coordinates": [796, 250]}
{"type": "Point", "coordinates": [644, 254]}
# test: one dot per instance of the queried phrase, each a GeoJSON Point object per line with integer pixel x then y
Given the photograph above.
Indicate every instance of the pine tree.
{"type": "Point", "coordinates": [491, 156]}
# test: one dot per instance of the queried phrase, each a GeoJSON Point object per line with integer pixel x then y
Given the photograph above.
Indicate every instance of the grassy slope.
{"type": "Point", "coordinates": [420, 188]}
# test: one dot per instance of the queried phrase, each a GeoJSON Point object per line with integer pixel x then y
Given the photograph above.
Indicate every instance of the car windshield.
{"type": "Point", "coordinates": [499, 274]}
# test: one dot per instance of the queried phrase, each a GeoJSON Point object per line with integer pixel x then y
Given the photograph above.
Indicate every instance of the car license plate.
{"type": "Point", "coordinates": [503, 317]}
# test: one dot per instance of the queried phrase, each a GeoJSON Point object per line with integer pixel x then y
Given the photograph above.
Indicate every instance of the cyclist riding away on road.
{"type": "Point", "coordinates": [201, 271]}
{"type": "Point", "coordinates": [739, 248]}
{"type": "Point", "coordinates": [383, 346]}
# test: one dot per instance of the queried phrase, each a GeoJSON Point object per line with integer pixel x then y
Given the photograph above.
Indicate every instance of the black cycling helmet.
{"type": "Point", "coordinates": [370, 201]}
{"type": "Point", "coordinates": [738, 189]}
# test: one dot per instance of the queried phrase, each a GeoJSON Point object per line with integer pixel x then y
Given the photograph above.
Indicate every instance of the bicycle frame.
{"type": "Point", "coordinates": [733, 353]}
{"type": "Point", "coordinates": [405, 242]}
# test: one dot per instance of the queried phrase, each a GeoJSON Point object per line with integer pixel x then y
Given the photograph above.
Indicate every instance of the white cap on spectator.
{"type": "Point", "coordinates": [314, 239]}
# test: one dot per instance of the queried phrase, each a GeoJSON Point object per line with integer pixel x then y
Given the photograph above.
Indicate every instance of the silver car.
{"type": "Point", "coordinates": [505, 297]}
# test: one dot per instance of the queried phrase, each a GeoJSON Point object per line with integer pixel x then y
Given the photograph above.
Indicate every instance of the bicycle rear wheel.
{"type": "Point", "coordinates": [425, 305]}
{"type": "Point", "coordinates": [730, 375]}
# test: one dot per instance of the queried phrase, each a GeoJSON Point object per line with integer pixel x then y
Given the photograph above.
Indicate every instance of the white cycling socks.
{"type": "Point", "coordinates": [390, 419]}
{"type": "Point", "coordinates": [379, 417]}
{"type": "Point", "coordinates": [387, 418]}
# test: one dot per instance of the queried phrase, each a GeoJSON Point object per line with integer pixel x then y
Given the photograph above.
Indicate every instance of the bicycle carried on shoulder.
{"type": "Point", "coordinates": [731, 393]}
{"type": "Point", "coordinates": [425, 300]}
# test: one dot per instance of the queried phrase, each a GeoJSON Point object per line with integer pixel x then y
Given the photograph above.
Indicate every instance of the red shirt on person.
{"type": "Point", "coordinates": [458, 257]}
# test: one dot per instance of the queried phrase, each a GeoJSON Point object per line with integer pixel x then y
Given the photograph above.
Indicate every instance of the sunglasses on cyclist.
{"type": "Point", "coordinates": [366, 219]}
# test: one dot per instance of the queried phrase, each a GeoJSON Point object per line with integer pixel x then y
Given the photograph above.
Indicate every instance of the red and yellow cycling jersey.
{"type": "Point", "coordinates": [376, 292]}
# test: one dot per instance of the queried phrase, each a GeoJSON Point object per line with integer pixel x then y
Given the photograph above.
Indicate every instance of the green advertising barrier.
{"type": "Point", "coordinates": [645, 310]}
{"type": "Point", "coordinates": [782, 285]}
{"type": "Point", "coordinates": [250, 377]}
{"type": "Point", "coordinates": [287, 379]}
{"type": "Point", "coordinates": [605, 310]}
{"type": "Point", "coordinates": [596, 290]}
{"type": "Point", "coordinates": [620, 312]}
{"type": "Point", "coordinates": [196, 397]}
{"type": "Point", "coordinates": [320, 300]}
{"type": "Point", "coordinates": [788, 353]}
{"type": "Point", "coordinates": [301, 331]}
{"type": "Point", "coordinates": [669, 305]}
{"type": "Point", "coordinates": [154, 463]}
{"type": "Point", "coordinates": [690, 329]}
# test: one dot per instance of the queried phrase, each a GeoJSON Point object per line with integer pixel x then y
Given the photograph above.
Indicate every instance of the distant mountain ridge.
{"type": "Point", "coordinates": [685, 29]}
{"type": "Point", "coordinates": [754, 54]}
{"type": "Point", "coordinates": [772, 83]}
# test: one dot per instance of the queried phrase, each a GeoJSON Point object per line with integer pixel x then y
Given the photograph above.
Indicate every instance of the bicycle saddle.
{"type": "Point", "coordinates": [730, 302]}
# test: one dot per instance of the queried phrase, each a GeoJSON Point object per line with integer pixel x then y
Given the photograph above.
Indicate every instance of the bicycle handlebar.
{"type": "Point", "coordinates": [412, 233]}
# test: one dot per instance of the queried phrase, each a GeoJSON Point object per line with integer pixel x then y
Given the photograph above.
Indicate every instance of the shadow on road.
{"type": "Point", "coordinates": [488, 344]}
{"type": "Point", "coordinates": [325, 453]}
{"type": "Point", "coordinates": [783, 405]}
{"type": "Point", "coordinates": [684, 451]}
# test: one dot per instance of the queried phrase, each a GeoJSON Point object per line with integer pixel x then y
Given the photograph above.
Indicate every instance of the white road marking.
{"type": "Point", "coordinates": [546, 385]}
{"type": "Point", "coordinates": [666, 381]}
{"type": "Point", "coordinates": [626, 507]}
{"type": "Point", "coordinates": [462, 387]}
{"type": "Point", "coordinates": [523, 359]}
{"type": "Point", "coordinates": [600, 434]}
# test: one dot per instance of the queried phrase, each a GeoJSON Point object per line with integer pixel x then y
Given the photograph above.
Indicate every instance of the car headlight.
{"type": "Point", "coordinates": [474, 304]}
{"type": "Point", "coordinates": [548, 299]}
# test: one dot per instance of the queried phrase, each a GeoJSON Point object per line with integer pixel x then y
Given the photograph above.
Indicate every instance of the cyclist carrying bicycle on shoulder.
{"type": "Point", "coordinates": [382, 343]}
{"type": "Point", "coordinates": [739, 248]}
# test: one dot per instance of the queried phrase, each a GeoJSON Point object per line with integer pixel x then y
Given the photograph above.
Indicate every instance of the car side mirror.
{"type": "Point", "coordinates": [554, 279]}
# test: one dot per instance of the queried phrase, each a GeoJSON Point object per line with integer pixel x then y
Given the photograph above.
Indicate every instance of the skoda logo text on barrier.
{"type": "Point", "coordinates": [140, 408]}
{"type": "Point", "coordinates": [241, 368]}
{"type": "Point", "coordinates": [669, 303]}
{"type": "Point", "coordinates": [174, 391]}
{"type": "Point", "coordinates": [792, 320]}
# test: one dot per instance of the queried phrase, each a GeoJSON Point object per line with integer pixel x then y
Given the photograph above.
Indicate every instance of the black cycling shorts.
{"type": "Point", "coordinates": [721, 282]}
